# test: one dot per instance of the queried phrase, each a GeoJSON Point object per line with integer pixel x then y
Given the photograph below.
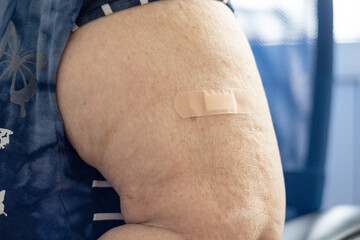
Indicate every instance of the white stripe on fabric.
{"type": "Point", "coordinates": [100, 184]}
{"type": "Point", "coordinates": [144, 1]}
{"type": "Point", "coordinates": [75, 27]}
{"type": "Point", "coordinates": [107, 216]}
{"type": "Point", "coordinates": [106, 9]}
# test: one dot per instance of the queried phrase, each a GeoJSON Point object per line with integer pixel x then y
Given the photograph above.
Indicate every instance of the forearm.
{"type": "Point", "coordinates": [140, 232]}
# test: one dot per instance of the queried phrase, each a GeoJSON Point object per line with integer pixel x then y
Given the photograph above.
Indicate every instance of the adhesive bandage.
{"type": "Point", "coordinates": [215, 101]}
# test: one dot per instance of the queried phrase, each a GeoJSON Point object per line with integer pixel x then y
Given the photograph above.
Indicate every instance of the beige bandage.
{"type": "Point", "coordinates": [215, 101]}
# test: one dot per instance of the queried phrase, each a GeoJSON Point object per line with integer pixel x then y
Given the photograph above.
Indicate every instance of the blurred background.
{"type": "Point", "coordinates": [343, 152]}
{"type": "Point", "coordinates": [308, 54]}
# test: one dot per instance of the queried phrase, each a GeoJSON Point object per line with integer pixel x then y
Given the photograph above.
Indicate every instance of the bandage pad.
{"type": "Point", "coordinates": [215, 101]}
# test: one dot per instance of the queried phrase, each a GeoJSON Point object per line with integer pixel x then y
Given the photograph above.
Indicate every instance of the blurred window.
{"type": "Point", "coordinates": [347, 21]}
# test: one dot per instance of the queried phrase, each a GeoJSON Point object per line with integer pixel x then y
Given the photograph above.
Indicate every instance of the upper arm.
{"type": "Point", "coordinates": [116, 86]}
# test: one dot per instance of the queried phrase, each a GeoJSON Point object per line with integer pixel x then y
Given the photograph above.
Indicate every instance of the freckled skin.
{"type": "Point", "coordinates": [216, 177]}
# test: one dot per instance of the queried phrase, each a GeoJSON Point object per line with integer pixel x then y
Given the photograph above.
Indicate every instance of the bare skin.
{"type": "Point", "coordinates": [204, 178]}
